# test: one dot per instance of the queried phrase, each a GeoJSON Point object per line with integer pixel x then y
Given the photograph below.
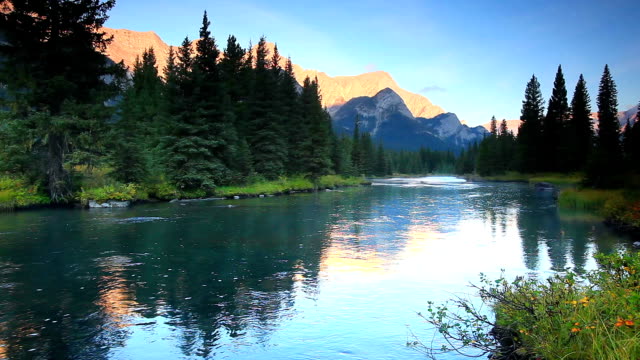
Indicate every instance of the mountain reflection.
{"type": "Point", "coordinates": [203, 280]}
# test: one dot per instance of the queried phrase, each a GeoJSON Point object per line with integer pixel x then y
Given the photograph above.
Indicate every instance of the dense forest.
{"type": "Point", "coordinates": [564, 139]}
{"type": "Point", "coordinates": [72, 119]}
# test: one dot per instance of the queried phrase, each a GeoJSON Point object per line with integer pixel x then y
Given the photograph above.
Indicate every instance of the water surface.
{"type": "Point", "coordinates": [333, 275]}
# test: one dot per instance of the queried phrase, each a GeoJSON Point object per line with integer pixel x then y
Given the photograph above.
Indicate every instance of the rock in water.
{"type": "Point", "coordinates": [109, 204]}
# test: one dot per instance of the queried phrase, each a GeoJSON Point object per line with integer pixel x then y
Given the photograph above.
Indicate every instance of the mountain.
{"type": "Point", "coordinates": [336, 91]}
{"type": "Point", "coordinates": [388, 119]}
{"type": "Point", "coordinates": [512, 125]}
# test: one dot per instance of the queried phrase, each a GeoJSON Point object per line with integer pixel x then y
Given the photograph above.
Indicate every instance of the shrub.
{"type": "Point", "coordinates": [18, 193]}
{"type": "Point", "coordinates": [563, 317]}
{"type": "Point", "coordinates": [117, 192]}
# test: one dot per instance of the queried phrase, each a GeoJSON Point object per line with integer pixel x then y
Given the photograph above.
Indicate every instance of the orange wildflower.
{"type": "Point", "coordinates": [575, 330]}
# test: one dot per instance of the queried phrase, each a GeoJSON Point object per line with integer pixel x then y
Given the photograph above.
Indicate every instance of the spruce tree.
{"type": "Point", "coordinates": [579, 128]}
{"type": "Point", "coordinates": [136, 134]}
{"type": "Point", "coordinates": [530, 133]}
{"type": "Point", "coordinates": [317, 154]}
{"type": "Point", "coordinates": [635, 143]}
{"type": "Point", "coordinates": [626, 140]}
{"type": "Point", "coordinates": [606, 166]}
{"type": "Point", "coordinates": [54, 71]}
{"type": "Point", "coordinates": [265, 135]}
{"type": "Point", "coordinates": [356, 149]}
{"type": "Point", "coordinates": [296, 129]}
{"type": "Point", "coordinates": [553, 126]}
{"type": "Point", "coordinates": [493, 128]}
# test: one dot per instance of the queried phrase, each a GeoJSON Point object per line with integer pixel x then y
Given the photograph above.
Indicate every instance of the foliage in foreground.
{"type": "Point", "coordinates": [17, 193]}
{"type": "Point", "coordinates": [563, 317]}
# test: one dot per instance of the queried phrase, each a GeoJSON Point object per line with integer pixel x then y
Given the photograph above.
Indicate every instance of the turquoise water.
{"type": "Point", "coordinates": [333, 275]}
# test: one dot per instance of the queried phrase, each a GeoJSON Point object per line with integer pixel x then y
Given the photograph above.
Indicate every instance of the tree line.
{"type": "Point", "coordinates": [211, 117]}
{"type": "Point", "coordinates": [564, 139]}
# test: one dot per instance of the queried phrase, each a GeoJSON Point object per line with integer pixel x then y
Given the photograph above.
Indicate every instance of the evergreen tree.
{"type": "Point", "coordinates": [530, 132]}
{"type": "Point", "coordinates": [136, 133]}
{"type": "Point", "coordinates": [635, 143]}
{"type": "Point", "coordinates": [626, 140]}
{"type": "Point", "coordinates": [553, 126]}
{"type": "Point", "coordinates": [193, 149]}
{"type": "Point", "coordinates": [579, 128]}
{"type": "Point", "coordinates": [367, 154]}
{"type": "Point", "coordinates": [265, 136]}
{"type": "Point", "coordinates": [356, 149]}
{"type": "Point", "coordinates": [317, 153]}
{"type": "Point", "coordinates": [54, 73]}
{"type": "Point", "coordinates": [381, 162]}
{"type": "Point", "coordinates": [296, 129]}
{"type": "Point", "coordinates": [493, 129]}
{"type": "Point", "coordinates": [504, 129]}
{"type": "Point", "coordinates": [606, 165]}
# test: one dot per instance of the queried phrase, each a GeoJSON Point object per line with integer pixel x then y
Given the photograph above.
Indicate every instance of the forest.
{"type": "Point", "coordinates": [564, 139]}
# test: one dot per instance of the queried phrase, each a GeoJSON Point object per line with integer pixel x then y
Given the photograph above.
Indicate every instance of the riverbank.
{"type": "Point", "coordinates": [16, 194]}
{"type": "Point", "coordinates": [618, 208]}
{"type": "Point", "coordinates": [557, 179]}
{"type": "Point", "coordinates": [567, 316]}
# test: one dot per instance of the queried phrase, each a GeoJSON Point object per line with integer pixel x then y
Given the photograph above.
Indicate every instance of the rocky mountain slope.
{"type": "Point", "coordinates": [336, 91]}
{"type": "Point", "coordinates": [387, 117]}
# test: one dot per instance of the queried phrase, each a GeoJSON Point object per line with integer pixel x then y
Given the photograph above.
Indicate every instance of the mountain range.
{"type": "Point", "coordinates": [388, 119]}
{"type": "Point", "coordinates": [397, 117]}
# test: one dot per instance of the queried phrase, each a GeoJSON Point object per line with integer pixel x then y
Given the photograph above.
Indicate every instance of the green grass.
{"type": "Point", "coordinates": [558, 179]}
{"type": "Point", "coordinates": [564, 317]}
{"type": "Point", "coordinates": [17, 193]}
{"type": "Point", "coordinates": [593, 200]}
{"type": "Point", "coordinates": [283, 185]}
{"type": "Point", "coordinates": [117, 192]}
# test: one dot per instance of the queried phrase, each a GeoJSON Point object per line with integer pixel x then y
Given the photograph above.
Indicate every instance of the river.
{"type": "Point", "coordinates": [331, 275]}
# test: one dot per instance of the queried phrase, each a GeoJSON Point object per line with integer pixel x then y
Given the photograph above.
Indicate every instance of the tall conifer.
{"type": "Point", "coordinates": [579, 128]}
{"type": "Point", "coordinates": [530, 132]}
{"type": "Point", "coordinates": [553, 126]}
{"type": "Point", "coordinates": [607, 162]}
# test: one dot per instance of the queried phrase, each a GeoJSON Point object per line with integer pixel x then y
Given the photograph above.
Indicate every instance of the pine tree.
{"type": "Point", "coordinates": [553, 126]}
{"type": "Point", "coordinates": [493, 129]}
{"type": "Point", "coordinates": [317, 152]}
{"type": "Point", "coordinates": [381, 162]}
{"type": "Point", "coordinates": [136, 134]}
{"type": "Point", "coordinates": [607, 162]}
{"type": "Point", "coordinates": [356, 149]}
{"type": "Point", "coordinates": [296, 129]}
{"type": "Point", "coordinates": [635, 143]}
{"type": "Point", "coordinates": [265, 135]}
{"type": "Point", "coordinates": [626, 140]}
{"type": "Point", "coordinates": [54, 71]}
{"type": "Point", "coordinates": [579, 128]}
{"type": "Point", "coordinates": [504, 129]}
{"type": "Point", "coordinates": [529, 134]}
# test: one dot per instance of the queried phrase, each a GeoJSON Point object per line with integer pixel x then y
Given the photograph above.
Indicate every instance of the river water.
{"type": "Point", "coordinates": [332, 275]}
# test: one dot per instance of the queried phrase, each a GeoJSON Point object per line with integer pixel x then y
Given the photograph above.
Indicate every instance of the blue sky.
{"type": "Point", "coordinates": [473, 58]}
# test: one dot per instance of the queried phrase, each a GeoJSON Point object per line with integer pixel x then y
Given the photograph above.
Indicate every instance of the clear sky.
{"type": "Point", "coordinates": [473, 58]}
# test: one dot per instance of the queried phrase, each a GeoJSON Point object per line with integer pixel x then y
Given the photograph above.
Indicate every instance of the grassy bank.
{"type": "Point", "coordinates": [285, 185]}
{"type": "Point", "coordinates": [564, 317]}
{"type": "Point", "coordinates": [618, 207]}
{"type": "Point", "coordinates": [18, 193]}
{"type": "Point", "coordinates": [561, 180]}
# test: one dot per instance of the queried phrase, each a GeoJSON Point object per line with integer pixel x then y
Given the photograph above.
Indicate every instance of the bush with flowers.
{"type": "Point", "coordinates": [596, 316]}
